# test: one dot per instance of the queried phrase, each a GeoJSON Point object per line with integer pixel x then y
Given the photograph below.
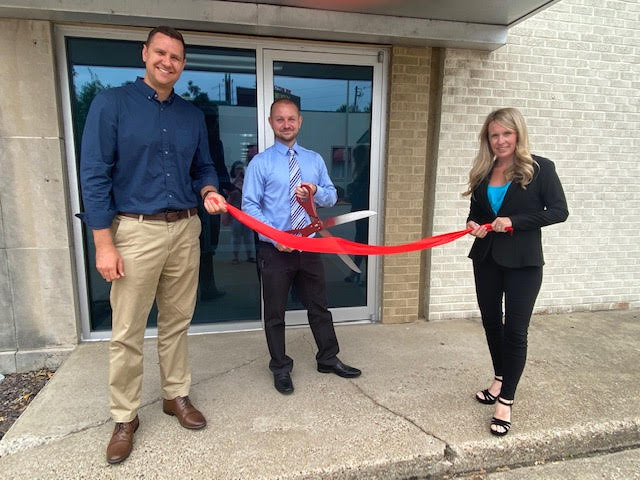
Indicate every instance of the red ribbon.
{"type": "Point", "coordinates": [341, 245]}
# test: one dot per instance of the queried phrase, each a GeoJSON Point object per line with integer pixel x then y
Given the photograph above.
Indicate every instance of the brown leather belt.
{"type": "Point", "coordinates": [168, 216]}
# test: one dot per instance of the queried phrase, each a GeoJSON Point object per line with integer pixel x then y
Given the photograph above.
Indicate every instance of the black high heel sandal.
{"type": "Point", "coordinates": [487, 398]}
{"type": "Point", "coordinates": [501, 423]}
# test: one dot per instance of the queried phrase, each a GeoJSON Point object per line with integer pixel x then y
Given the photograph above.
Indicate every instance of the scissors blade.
{"type": "Point", "coordinates": [345, 258]}
{"type": "Point", "coordinates": [348, 217]}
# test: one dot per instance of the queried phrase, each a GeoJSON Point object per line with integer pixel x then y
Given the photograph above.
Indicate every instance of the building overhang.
{"type": "Point", "coordinates": [479, 24]}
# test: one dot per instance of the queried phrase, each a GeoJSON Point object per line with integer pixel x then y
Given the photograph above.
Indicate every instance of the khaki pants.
{"type": "Point", "coordinates": [161, 262]}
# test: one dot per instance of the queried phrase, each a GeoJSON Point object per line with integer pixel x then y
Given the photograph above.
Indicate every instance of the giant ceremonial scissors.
{"type": "Point", "coordinates": [320, 226]}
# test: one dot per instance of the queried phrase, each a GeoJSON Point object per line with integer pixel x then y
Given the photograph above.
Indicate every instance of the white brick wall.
{"type": "Point", "coordinates": [574, 72]}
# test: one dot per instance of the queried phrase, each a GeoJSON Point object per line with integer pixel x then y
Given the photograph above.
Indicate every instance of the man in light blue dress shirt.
{"type": "Point", "coordinates": [265, 196]}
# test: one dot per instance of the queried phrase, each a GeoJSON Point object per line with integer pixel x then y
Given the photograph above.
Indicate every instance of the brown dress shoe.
{"type": "Point", "coordinates": [122, 441]}
{"type": "Point", "coordinates": [187, 414]}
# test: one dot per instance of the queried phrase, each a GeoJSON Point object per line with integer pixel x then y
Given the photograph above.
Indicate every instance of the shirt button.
{"type": "Point", "coordinates": [168, 174]}
{"type": "Point", "coordinates": [166, 152]}
{"type": "Point", "coordinates": [164, 130]}
{"type": "Point", "coordinates": [170, 196]}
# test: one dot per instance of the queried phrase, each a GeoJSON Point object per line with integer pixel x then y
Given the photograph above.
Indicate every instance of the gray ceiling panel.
{"type": "Point", "coordinates": [491, 12]}
{"type": "Point", "coordinates": [478, 24]}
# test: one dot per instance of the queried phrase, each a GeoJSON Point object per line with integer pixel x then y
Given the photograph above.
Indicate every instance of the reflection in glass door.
{"type": "Point", "coordinates": [222, 83]}
{"type": "Point", "coordinates": [335, 95]}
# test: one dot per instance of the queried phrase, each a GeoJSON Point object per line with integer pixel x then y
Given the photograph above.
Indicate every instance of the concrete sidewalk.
{"type": "Point", "coordinates": [411, 413]}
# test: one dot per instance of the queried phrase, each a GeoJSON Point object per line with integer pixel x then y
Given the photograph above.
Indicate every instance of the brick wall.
{"type": "Point", "coordinates": [405, 171]}
{"type": "Point", "coordinates": [574, 72]}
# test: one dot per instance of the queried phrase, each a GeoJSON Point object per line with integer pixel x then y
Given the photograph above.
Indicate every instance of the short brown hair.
{"type": "Point", "coordinates": [169, 32]}
{"type": "Point", "coordinates": [286, 101]}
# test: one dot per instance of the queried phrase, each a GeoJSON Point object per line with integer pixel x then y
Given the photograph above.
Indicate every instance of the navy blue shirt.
{"type": "Point", "coordinates": [140, 155]}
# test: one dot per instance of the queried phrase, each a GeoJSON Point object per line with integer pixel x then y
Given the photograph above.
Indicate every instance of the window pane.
{"type": "Point", "coordinates": [222, 83]}
{"type": "Point", "coordinates": [335, 102]}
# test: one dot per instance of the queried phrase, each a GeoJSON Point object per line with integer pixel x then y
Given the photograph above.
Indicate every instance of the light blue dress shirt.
{"type": "Point", "coordinates": [265, 192]}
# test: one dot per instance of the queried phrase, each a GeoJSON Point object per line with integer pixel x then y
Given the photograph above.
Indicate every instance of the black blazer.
{"type": "Point", "coordinates": [541, 203]}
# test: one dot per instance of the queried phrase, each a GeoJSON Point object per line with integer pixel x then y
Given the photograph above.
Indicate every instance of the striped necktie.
{"type": "Point", "coordinates": [298, 216]}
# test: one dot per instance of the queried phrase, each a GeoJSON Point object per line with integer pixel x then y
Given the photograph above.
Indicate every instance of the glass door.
{"type": "Point", "coordinates": [339, 96]}
{"type": "Point", "coordinates": [234, 81]}
{"type": "Point", "coordinates": [222, 83]}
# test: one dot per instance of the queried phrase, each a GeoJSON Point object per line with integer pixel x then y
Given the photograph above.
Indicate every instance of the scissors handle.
{"type": "Point", "coordinates": [309, 207]}
{"type": "Point", "coordinates": [317, 226]}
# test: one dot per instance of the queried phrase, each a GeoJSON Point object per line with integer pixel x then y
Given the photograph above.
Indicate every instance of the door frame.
{"type": "Point", "coordinates": [380, 54]}
{"type": "Point", "coordinates": [365, 58]}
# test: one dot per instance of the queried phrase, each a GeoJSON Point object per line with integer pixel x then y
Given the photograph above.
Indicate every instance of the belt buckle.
{"type": "Point", "coordinates": [170, 216]}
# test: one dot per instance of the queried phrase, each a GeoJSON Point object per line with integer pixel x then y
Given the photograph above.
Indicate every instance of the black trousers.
{"type": "Point", "coordinates": [305, 272]}
{"type": "Point", "coordinates": [507, 340]}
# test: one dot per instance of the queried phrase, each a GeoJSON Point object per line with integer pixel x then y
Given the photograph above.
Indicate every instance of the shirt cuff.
{"type": "Point", "coordinates": [199, 184]}
{"type": "Point", "coordinates": [97, 221]}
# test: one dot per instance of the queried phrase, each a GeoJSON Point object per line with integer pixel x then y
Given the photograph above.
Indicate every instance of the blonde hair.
{"type": "Point", "coordinates": [522, 169]}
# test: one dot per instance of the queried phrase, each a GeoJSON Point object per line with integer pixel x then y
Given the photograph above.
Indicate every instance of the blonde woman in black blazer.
{"type": "Point", "coordinates": [510, 189]}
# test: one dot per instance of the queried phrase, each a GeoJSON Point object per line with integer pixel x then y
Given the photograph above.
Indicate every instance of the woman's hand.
{"type": "Point", "coordinates": [479, 231]}
{"type": "Point", "coordinates": [501, 224]}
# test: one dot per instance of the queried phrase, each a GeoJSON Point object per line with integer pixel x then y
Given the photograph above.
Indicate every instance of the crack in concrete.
{"type": "Point", "coordinates": [208, 379]}
{"type": "Point", "coordinates": [449, 452]}
{"type": "Point", "coordinates": [50, 439]}
{"type": "Point", "coordinates": [21, 444]}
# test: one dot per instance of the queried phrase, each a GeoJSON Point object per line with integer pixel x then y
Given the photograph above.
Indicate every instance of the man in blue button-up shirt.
{"type": "Point", "coordinates": [144, 167]}
{"type": "Point", "coordinates": [265, 196]}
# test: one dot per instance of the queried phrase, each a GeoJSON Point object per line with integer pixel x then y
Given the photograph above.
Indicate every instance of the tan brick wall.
{"type": "Point", "coordinates": [574, 72]}
{"type": "Point", "coordinates": [405, 171]}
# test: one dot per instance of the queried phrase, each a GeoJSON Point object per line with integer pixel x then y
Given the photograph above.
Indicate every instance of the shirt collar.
{"type": "Point", "coordinates": [149, 92]}
{"type": "Point", "coordinates": [283, 149]}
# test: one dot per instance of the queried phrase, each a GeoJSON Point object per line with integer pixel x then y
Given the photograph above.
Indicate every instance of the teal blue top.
{"type": "Point", "coordinates": [496, 196]}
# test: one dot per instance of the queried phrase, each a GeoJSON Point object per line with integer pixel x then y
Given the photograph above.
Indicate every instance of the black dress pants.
{"type": "Point", "coordinates": [507, 340]}
{"type": "Point", "coordinates": [305, 271]}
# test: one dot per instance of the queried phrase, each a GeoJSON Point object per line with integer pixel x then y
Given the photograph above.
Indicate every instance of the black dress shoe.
{"type": "Point", "coordinates": [283, 383]}
{"type": "Point", "coordinates": [340, 369]}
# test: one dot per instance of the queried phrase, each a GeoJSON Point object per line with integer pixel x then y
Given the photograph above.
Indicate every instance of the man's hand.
{"type": "Point", "coordinates": [302, 192]}
{"type": "Point", "coordinates": [214, 203]}
{"type": "Point", "coordinates": [108, 260]}
{"type": "Point", "coordinates": [282, 248]}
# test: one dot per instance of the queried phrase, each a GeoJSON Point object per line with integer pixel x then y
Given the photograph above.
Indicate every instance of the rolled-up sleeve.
{"type": "Point", "coordinates": [97, 158]}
